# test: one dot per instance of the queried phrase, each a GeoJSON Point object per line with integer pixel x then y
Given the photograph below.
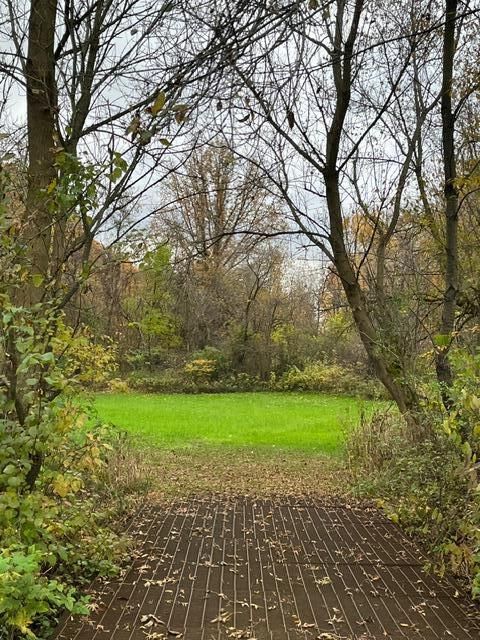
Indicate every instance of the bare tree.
{"type": "Point", "coordinates": [336, 105]}
{"type": "Point", "coordinates": [220, 211]}
{"type": "Point", "coordinates": [220, 208]}
{"type": "Point", "coordinates": [110, 85]}
{"type": "Point", "coordinates": [451, 193]}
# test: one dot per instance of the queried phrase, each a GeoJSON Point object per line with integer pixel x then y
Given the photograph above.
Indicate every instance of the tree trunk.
{"type": "Point", "coordinates": [39, 230]}
{"type": "Point", "coordinates": [41, 118]}
{"type": "Point", "coordinates": [443, 366]}
{"type": "Point", "coordinates": [403, 397]}
{"type": "Point", "coordinates": [342, 73]}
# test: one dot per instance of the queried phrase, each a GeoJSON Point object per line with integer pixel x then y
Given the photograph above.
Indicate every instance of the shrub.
{"type": "Point", "coordinates": [54, 535]}
{"type": "Point", "coordinates": [166, 381]}
{"type": "Point", "coordinates": [54, 530]}
{"type": "Point", "coordinates": [117, 385]}
{"type": "Point", "coordinates": [208, 364]}
{"type": "Point", "coordinates": [429, 487]}
{"type": "Point", "coordinates": [178, 381]}
{"type": "Point", "coordinates": [201, 369]}
{"type": "Point", "coordinates": [84, 360]}
{"type": "Point", "coordinates": [327, 378]}
{"type": "Point", "coordinates": [25, 593]}
{"type": "Point", "coordinates": [203, 376]}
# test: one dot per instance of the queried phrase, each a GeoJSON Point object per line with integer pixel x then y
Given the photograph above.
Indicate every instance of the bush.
{"type": "Point", "coordinates": [201, 369]}
{"type": "Point", "coordinates": [177, 381]}
{"type": "Point", "coordinates": [202, 375]}
{"type": "Point", "coordinates": [429, 487]}
{"type": "Point", "coordinates": [54, 536]}
{"type": "Point", "coordinates": [327, 378]}
{"type": "Point", "coordinates": [208, 364]}
{"type": "Point", "coordinates": [117, 385]}
{"type": "Point", "coordinates": [84, 360]}
{"type": "Point", "coordinates": [166, 381]}
{"type": "Point", "coordinates": [25, 593]}
{"type": "Point", "coordinates": [53, 459]}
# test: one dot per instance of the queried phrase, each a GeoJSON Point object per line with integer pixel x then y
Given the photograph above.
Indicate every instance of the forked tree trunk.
{"type": "Point", "coordinates": [402, 395]}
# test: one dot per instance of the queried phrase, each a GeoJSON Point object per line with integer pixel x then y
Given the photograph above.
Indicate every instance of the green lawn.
{"type": "Point", "coordinates": [303, 422]}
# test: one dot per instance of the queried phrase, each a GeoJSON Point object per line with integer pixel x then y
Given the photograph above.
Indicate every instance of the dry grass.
{"type": "Point", "coordinates": [127, 475]}
{"type": "Point", "coordinates": [370, 445]}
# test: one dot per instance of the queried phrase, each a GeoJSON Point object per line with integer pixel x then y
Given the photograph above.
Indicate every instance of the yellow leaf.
{"type": "Point", "coordinates": [51, 187]}
{"type": "Point", "coordinates": [159, 103]}
{"type": "Point", "coordinates": [475, 402]}
{"type": "Point", "coordinates": [61, 486]}
{"type": "Point", "coordinates": [22, 621]}
{"type": "Point", "coordinates": [37, 279]}
{"type": "Point", "coordinates": [181, 111]}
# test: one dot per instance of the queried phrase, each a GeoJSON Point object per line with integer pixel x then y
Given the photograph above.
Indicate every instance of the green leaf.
{"type": "Point", "coordinates": [116, 174]}
{"type": "Point", "coordinates": [86, 268]}
{"type": "Point", "coordinates": [14, 481]}
{"type": "Point", "coordinates": [46, 357]}
{"type": "Point", "coordinates": [145, 137]}
{"type": "Point", "coordinates": [10, 469]}
{"type": "Point", "coordinates": [37, 280]}
{"type": "Point", "coordinates": [442, 339]}
{"type": "Point", "coordinates": [119, 161]}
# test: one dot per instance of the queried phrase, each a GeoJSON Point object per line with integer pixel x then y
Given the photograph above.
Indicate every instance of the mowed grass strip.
{"type": "Point", "coordinates": [290, 421]}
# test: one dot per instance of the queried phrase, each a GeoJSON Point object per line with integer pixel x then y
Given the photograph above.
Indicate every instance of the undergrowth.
{"type": "Point", "coordinates": [66, 479]}
{"type": "Point", "coordinates": [429, 486]}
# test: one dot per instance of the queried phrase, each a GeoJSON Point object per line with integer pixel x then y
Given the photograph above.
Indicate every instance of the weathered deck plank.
{"type": "Point", "coordinates": [283, 569]}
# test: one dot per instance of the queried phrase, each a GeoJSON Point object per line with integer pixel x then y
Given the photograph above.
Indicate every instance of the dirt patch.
{"type": "Point", "coordinates": [242, 471]}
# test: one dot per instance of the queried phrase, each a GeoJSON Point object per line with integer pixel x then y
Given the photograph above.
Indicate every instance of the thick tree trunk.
{"type": "Point", "coordinates": [41, 118]}
{"type": "Point", "coordinates": [443, 366]}
{"type": "Point", "coordinates": [39, 232]}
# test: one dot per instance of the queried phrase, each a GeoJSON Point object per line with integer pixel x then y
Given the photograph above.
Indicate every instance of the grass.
{"type": "Point", "coordinates": [304, 423]}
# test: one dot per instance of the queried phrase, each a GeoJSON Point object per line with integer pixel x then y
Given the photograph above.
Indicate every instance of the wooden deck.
{"type": "Point", "coordinates": [212, 569]}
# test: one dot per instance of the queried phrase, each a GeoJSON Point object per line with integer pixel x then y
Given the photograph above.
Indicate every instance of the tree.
{"type": "Point", "coordinates": [220, 208]}
{"type": "Point", "coordinates": [451, 194]}
{"type": "Point", "coordinates": [336, 142]}
{"type": "Point", "coordinates": [107, 93]}
{"type": "Point", "coordinates": [151, 306]}
{"type": "Point", "coordinates": [101, 113]}
{"type": "Point", "coordinates": [220, 211]}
